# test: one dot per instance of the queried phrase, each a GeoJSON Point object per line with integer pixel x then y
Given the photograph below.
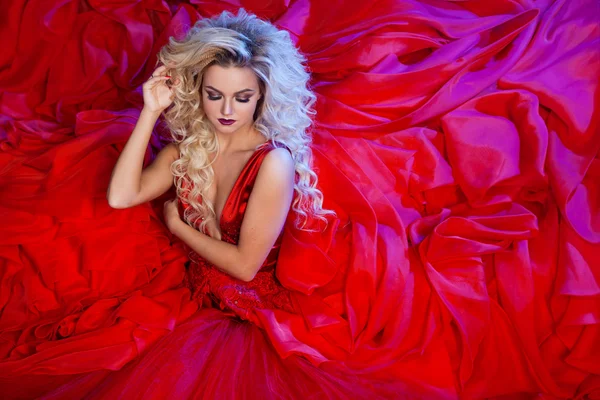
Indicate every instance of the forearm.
{"type": "Point", "coordinates": [225, 256]}
{"type": "Point", "coordinates": [126, 175]}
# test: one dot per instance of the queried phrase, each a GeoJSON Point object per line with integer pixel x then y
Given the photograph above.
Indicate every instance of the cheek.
{"type": "Point", "coordinates": [248, 112]}
{"type": "Point", "coordinates": [210, 107]}
{"type": "Point", "coordinates": [249, 109]}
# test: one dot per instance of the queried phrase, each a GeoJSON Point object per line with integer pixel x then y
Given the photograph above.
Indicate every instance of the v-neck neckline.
{"type": "Point", "coordinates": [237, 180]}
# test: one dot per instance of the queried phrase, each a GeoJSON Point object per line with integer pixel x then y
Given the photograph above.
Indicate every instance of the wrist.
{"type": "Point", "coordinates": [154, 114]}
{"type": "Point", "coordinates": [175, 226]}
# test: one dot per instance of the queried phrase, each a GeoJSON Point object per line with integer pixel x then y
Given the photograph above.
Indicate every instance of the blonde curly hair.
{"type": "Point", "coordinates": [283, 114]}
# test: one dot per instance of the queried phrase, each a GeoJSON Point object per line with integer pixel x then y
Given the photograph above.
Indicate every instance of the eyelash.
{"type": "Point", "coordinates": [215, 98]}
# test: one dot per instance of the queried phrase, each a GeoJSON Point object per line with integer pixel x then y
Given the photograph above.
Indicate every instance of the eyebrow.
{"type": "Point", "coordinates": [236, 93]}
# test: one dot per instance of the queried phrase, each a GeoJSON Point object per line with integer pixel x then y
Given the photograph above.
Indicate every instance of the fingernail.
{"type": "Point", "coordinates": [167, 76]}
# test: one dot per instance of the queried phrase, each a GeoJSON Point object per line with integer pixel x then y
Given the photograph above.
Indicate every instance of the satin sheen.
{"type": "Point", "coordinates": [457, 142]}
{"type": "Point", "coordinates": [226, 354]}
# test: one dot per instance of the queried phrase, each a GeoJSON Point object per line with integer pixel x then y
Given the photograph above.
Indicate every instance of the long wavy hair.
{"type": "Point", "coordinates": [283, 114]}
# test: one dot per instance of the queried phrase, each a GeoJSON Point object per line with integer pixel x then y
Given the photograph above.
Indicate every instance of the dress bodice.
{"type": "Point", "coordinates": [211, 286]}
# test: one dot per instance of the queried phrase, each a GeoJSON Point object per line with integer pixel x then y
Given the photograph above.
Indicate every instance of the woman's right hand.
{"type": "Point", "coordinates": [157, 95]}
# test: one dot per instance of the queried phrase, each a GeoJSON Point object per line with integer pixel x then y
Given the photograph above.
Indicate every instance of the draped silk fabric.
{"type": "Point", "coordinates": [457, 141]}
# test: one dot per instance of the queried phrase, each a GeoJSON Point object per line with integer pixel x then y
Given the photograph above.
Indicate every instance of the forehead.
{"type": "Point", "coordinates": [229, 80]}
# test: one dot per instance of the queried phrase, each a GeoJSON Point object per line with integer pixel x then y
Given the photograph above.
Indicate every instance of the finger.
{"type": "Point", "coordinates": [153, 80]}
{"type": "Point", "coordinates": [160, 70]}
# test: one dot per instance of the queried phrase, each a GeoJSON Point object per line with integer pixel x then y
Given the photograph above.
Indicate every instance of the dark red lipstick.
{"type": "Point", "coordinates": [226, 121]}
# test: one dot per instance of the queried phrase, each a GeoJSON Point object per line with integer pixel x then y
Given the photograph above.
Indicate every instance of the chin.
{"type": "Point", "coordinates": [225, 128]}
{"type": "Point", "coordinates": [229, 129]}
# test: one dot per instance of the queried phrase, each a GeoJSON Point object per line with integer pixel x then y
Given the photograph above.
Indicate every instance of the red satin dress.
{"type": "Point", "coordinates": [212, 287]}
{"type": "Point", "coordinates": [458, 143]}
{"type": "Point", "coordinates": [222, 351]}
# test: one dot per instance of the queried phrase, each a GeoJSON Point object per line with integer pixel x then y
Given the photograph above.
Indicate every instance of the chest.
{"type": "Point", "coordinates": [227, 170]}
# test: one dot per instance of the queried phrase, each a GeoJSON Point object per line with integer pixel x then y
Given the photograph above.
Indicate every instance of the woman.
{"type": "Point", "coordinates": [222, 113]}
{"type": "Point", "coordinates": [462, 261]}
{"type": "Point", "coordinates": [239, 117]}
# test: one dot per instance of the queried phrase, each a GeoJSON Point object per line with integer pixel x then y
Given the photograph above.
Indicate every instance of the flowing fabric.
{"type": "Point", "coordinates": [192, 363]}
{"type": "Point", "coordinates": [457, 141]}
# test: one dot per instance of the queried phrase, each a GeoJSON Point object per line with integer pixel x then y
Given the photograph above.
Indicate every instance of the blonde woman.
{"type": "Point", "coordinates": [239, 93]}
{"type": "Point", "coordinates": [234, 94]}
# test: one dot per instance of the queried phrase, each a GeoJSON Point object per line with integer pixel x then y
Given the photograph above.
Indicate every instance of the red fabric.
{"type": "Point", "coordinates": [209, 356]}
{"type": "Point", "coordinates": [211, 286]}
{"type": "Point", "coordinates": [457, 141]}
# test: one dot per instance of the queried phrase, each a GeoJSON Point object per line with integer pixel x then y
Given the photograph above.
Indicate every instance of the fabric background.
{"type": "Point", "coordinates": [457, 141]}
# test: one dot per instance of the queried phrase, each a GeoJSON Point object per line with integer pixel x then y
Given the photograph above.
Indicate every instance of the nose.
{"type": "Point", "coordinates": [227, 107]}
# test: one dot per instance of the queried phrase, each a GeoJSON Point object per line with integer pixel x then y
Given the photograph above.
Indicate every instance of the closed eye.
{"type": "Point", "coordinates": [215, 98]}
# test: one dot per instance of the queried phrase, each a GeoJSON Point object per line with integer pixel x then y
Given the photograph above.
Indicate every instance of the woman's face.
{"type": "Point", "coordinates": [229, 97]}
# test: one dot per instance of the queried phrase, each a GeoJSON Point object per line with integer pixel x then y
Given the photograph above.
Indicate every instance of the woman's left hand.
{"type": "Point", "coordinates": [171, 214]}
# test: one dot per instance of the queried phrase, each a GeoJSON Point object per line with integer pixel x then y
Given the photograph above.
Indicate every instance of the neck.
{"type": "Point", "coordinates": [242, 139]}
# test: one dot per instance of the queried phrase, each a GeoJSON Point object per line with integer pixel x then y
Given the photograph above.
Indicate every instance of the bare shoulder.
{"type": "Point", "coordinates": [171, 151]}
{"type": "Point", "coordinates": [166, 156]}
{"type": "Point", "coordinates": [277, 172]}
{"type": "Point", "coordinates": [278, 158]}
{"type": "Point", "coordinates": [278, 164]}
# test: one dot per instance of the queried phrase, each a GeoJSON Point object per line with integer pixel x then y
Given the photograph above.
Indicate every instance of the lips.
{"type": "Point", "coordinates": [226, 121]}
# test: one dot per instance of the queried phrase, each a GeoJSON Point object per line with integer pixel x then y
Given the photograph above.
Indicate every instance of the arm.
{"type": "Point", "coordinates": [129, 185]}
{"type": "Point", "coordinates": [265, 216]}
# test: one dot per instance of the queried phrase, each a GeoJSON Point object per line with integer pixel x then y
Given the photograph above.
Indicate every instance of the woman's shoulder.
{"type": "Point", "coordinates": [277, 146]}
{"type": "Point", "coordinates": [171, 150]}
{"type": "Point", "coordinates": [278, 151]}
{"type": "Point", "coordinates": [277, 163]}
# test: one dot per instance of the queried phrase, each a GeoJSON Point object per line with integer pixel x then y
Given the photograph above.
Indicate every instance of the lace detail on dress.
{"type": "Point", "coordinates": [211, 286]}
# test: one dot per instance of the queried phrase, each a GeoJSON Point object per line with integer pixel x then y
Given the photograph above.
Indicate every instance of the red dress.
{"type": "Point", "coordinates": [209, 285]}
{"type": "Point", "coordinates": [457, 142]}
{"type": "Point", "coordinates": [222, 352]}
